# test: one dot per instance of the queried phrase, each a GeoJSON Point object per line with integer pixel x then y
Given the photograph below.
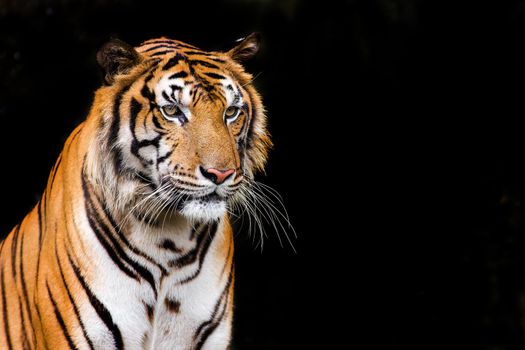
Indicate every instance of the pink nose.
{"type": "Point", "coordinates": [215, 175]}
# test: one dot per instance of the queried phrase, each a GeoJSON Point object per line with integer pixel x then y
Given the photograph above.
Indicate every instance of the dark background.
{"type": "Point", "coordinates": [399, 151]}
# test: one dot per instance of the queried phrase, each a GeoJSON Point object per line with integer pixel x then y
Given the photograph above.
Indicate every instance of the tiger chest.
{"type": "Point", "coordinates": [181, 301]}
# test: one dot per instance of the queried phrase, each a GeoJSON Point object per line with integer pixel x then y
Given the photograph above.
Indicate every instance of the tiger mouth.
{"type": "Point", "coordinates": [210, 198]}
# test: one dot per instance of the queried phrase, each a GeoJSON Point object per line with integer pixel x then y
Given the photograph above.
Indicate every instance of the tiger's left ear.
{"type": "Point", "coordinates": [116, 57]}
{"type": "Point", "coordinates": [246, 48]}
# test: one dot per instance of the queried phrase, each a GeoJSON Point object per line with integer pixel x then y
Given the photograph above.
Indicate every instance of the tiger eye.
{"type": "Point", "coordinates": [231, 112]}
{"type": "Point", "coordinates": [170, 110]}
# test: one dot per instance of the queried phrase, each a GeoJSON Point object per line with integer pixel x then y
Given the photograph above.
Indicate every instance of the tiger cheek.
{"type": "Point", "coordinates": [182, 152]}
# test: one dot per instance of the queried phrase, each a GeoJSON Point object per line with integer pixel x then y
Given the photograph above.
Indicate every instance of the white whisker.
{"type": "Point", "coordinates": [261, 203]}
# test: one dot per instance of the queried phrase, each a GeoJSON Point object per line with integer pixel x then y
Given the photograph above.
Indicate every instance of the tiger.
{"type": "Point", "coordinates": [131, 243]}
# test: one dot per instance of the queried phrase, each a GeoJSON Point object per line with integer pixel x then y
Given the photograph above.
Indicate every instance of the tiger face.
{"type": "Point", "coordinates": [186, 128]}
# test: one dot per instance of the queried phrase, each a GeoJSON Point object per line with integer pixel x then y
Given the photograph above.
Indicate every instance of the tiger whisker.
{"type": "Point", "coordinates": [262, 203]}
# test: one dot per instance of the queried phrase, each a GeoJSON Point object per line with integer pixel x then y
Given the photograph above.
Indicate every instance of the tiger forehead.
{"type": "Point", "coordinates": [189, 75]}
{"type": "Point", "coordinates": [162, 47]}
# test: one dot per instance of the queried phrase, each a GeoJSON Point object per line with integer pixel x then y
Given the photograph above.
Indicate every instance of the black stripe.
{"type": "Point", "coordinates": [137, 145]}
{"type": "Point", "coordinates": [161, 53]}
{"type": "Point", "coordinates": [23, 336]}
{"type": "Point", "coordinates": [24, 287]}
{"type": "Point", "coordinates": [71, 300]}
{"type": "Point", "coordinates": [202, 53]}
{"type": "Point", "coordinates": [44, 204]}
{"type": "Point", "coordinates": [37, 307]}
{"type": "Point", "coordinates": [101, 310]}
{"type": "Point", "coordinates": [182, 182]}
{"type": "Point", "coordinates": [112, 140]}
{"type": "Point", "coordinates": [175, 87]}
{"type": "Point", "coordinates": [60, 319]}
{"type": "Point", "coordinates": [37, 274]}
{"type": "Point", "coordinates": [149, 311]}
{"type": "Point", "coordinates": [145, 91]}
{"type": "Point", "coordinates": [116, 252]}
{"type": "Point", "coordinates": [168, 244]}
{"type": "Point", "coordinates": [193, 91]}
{"type": "Point", "coordinates": [55, 170]}
{"type": "Point", "coordinates": [111, 250]}
{"type": "Point", "coordinates": [181, 74]}
{"type": "Point", "coordinates": [214, 75]}
{"type": "Point", "coordinates": [209, 328]}
{"type": "Point", "coordinates": [123, 238]}
{"type": "Point", "coordinates": [4, 312]}
{"type": "Point", "coordinates": [114, 131]}
{"type": "Point", "coordinates": [196, 254]}
{"type": "Point", "coordinates": [40, 237]}
{"type": "Point", "coordinates": [169, 46]}
{"type": "Point", "coordinates": [206, 328]}
{"type": "Point", "coordinates": [166, 96]}
{"type": "Point", "coordinates": [39, 211]}
{"type": "Point", "coordinates": [207, 239]}
{"type": "Point", "coordinates": [14, 245]}
{"type": "Point", "coordinates": [205, 64]}
{"type": "Point", "coordinates": [172, 305]}
{"type": "Point", "coordinates": [199, 96]}
{"type": "Point", "coordinates": [163, 158]}
{"type": "Point", "coordinates": [172, 62]}
{"type": "Point", "coordinates": [134, 109]}
{"type": "Point", "coordinates": [217, 59]}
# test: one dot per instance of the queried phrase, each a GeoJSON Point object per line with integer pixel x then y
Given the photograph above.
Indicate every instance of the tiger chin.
{"type": "Point", "coordinates": [130, 246]}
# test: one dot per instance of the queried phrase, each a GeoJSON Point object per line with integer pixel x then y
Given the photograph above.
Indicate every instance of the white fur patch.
{"type": "Point", "coordinates": [229, 94]}
{"type": "Point", "coordinates": [204, 211]}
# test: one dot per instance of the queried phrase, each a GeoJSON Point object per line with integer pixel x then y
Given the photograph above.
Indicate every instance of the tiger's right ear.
{"type": "Point", "coordinates": [246, 47]}
{"type": "Point", "coordinates": [116, 57]}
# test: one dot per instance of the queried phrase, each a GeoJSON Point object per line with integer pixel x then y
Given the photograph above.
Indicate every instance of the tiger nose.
{"type": "Point", "coordinates": [215, 175]}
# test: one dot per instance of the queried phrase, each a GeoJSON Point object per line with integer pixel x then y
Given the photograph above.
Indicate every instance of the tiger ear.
{"type": "Point", "coordinates": [246, 48]}
{"type": "Point", "coordinates": [116, 57]}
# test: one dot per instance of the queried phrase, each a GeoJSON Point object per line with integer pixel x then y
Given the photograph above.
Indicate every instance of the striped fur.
{"type": "Point", "coordinates": [130, 246]}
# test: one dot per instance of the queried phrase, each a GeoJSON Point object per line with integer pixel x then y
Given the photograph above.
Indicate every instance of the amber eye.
{"type": "Point", "coordinates": [172, 112]}
{"type": "Point", "coordinates": [231, 113]}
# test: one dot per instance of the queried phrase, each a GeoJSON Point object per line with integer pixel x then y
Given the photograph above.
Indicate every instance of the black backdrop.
{"type": "Point", "coordinates": [399, 153]}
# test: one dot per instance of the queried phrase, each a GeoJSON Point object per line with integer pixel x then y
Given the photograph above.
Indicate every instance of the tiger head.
{"type": "Point", "coordinates": [180, 130]}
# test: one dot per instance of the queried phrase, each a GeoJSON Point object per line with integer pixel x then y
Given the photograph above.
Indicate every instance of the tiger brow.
{"type": "Point", "coordinates": [181, 74]}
